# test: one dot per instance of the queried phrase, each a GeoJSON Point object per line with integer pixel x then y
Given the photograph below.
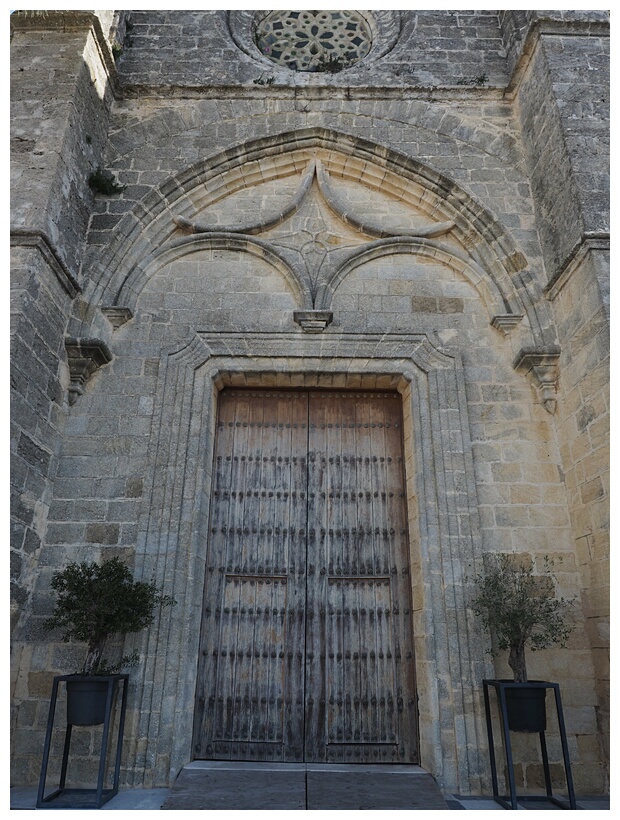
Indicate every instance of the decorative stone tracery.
{"type": "Point", "coordinates": [495, 262]}
{"type": "Point", "coordinates": [378, 29]}
{"type": "Point", "coordinates": [314, 40]}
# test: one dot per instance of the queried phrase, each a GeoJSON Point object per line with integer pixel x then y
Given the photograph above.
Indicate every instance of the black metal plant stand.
{"type": "Point", "coordinates": [510, 801]}
{"type": "Point", "coordinates": [63, 798]}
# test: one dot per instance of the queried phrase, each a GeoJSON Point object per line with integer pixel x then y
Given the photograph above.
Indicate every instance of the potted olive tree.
{"type": "Point", "coordinates": [96, 602]}
{"type": "Point", "coordinates": [521, 610]}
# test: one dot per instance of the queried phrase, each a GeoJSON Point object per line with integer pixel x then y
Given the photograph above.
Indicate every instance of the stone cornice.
{"type": "Point", "coordinates": [44, 20]}
{"type": "Point", "coordinates": [314, 92]}
{"type": "Point", "coordinates": [549, 27]}
{"type": "Point", "coordinates": [588, 242]}
{"type": "Point", "coordinates": [41, 242]}
{"type": "Point", "coordinates": [69, 21]}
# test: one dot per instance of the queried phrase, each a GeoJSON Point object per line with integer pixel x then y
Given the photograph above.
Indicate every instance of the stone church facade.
{"type": "Point", "coordinates": [345, 251]}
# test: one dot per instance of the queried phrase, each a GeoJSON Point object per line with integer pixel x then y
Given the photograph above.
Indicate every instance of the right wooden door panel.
{"type": "Point", "coordinates": [360, 686]}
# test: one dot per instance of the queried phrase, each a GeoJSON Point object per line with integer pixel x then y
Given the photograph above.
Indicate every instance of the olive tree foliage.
{"type": "Point", "coordinates": [97, 601]}
{"type": "Point", "coordinates": [521, 609]}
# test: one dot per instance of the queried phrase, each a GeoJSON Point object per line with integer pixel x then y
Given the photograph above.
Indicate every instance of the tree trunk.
{"type": "Point", "coordinates": [94, 654]}
{"type": "Point", "coordinates": [516, 661]}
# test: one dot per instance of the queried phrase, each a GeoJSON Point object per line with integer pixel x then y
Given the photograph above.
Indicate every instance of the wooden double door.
{"type": "Point", "coordinates": [306, 642]}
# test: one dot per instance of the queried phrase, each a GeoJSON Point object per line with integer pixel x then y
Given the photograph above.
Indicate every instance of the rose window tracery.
{"type": "Point", "coordinates": [314, 40]}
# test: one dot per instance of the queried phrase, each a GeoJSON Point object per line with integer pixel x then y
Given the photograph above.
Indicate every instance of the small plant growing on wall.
{"type": "Point", "coordinates": [521, 609]}
{"type": "Point", "coordinates": [481, 79]}
{"type": "Point", "coordinates": [332, 63]}
{"type": "Point", "coordinates": [104, 182]}
{"type": "Point", "coordinates": [98, 601]}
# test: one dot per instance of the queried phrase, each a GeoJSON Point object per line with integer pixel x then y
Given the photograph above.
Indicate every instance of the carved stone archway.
{"type": "Point", "coordinates": [440, 220]}
{"type": "Point", "coordinates": [445, 214]}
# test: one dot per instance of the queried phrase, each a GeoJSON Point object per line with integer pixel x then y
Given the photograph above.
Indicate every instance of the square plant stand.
{"type": "Point", "coordinates": [63, 798]}
{"type": "Point", "coordinates": [510, 801]}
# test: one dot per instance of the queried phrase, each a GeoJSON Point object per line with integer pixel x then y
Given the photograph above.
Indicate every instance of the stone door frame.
{"type": "Point", "coordinates": [443, 520]}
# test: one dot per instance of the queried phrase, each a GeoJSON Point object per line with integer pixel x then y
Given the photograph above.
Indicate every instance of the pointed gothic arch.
{"type": "Point", "coordinates": [483, 245]}
{"type": "Point", "coordinates": [180, 248]}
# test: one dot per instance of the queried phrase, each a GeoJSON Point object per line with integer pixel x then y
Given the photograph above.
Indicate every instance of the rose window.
{"type": "Point", "coordinates": [314, 40]}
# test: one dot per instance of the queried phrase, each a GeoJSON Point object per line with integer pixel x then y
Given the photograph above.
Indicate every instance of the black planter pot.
{"type": "Point", "coordinates": [86, 700]}
{"type": "Point", "coordinates": [525, 707]}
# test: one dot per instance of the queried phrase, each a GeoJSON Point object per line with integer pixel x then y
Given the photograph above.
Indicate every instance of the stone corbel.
{"type": "Point", "coordinates": [85, 357]}
{"type": "Point", "coordinates": [542, 369]}
{"type": "Point", "coordinates": [313, 321]}
{"type": "Point", "coordinates": [117, 316]}
{"type": "Point", "coordinates": [505, 322]}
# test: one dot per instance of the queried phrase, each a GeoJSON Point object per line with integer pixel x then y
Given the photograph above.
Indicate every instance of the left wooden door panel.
{"type": "Point", "coordinates": [251, 667]}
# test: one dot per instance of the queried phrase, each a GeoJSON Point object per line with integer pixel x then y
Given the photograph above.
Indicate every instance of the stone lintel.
{"type": "Point", "coordinates": [542, 369]}
{"type": "Point", "coordinates": [505, 322]}
{"type": "Point", "coordinates": [313, 321]}
{"type": "Point", "coordinates": [117, 316]}
{"type": "Point", "coordinates": [84, 357]}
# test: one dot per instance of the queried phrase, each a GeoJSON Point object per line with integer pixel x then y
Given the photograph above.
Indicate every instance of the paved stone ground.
{"type": "Point", "coordinates": [459, 802]}
{"type": "Point", "coordinates": [24, 798]}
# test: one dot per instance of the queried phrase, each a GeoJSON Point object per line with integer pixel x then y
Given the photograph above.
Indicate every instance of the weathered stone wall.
{"type": "Point", "coordinates": [196, 49]}
{"type": "Point", "coordinates": [61, 99]}
{"type": "Point", "coordinates": [58, 128]}
{"type": "Point", "coordinates": [581, 303]}
{"type": "Point", "coordinates": [59, 114]}
{"type": "Point", "coordinates": [39, 307]}
{"type": "Point", "coordinates": [578, 68]}
{"type": "Point", "coordinates": [563, 104]}
{"type": "Point", "coordinates": [193, 134]}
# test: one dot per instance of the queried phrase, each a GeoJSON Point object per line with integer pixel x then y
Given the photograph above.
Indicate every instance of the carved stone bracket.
{"type": "Point", "coordinates": [542, 369]}
{"type": "Point", "coordinates": [313, 321]}
{"type": "Point", "coordinates": [117, 316]}
{"type": "Point", "coordinates": [505, 322]}
{"type": "Point", "coordinates": [85, 357]}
